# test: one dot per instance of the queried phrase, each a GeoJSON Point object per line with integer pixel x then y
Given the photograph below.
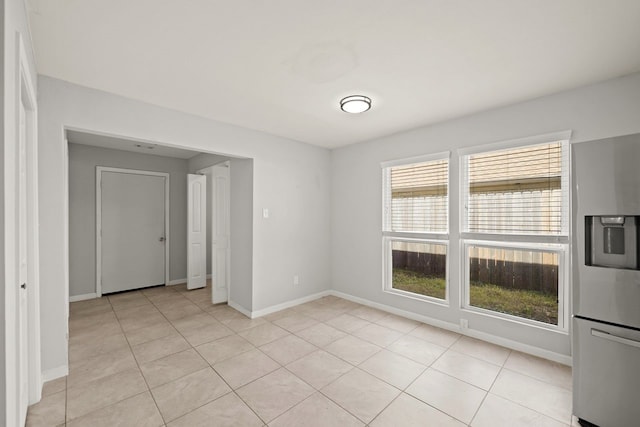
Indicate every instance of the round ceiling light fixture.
{"type": "Point", "coordinates": [355, 104]}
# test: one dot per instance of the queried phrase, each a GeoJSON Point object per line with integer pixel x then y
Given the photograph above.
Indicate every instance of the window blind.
{"type": "Point", "coordinates": [417, 197]}
{"type": "Point", "coordinates": [518, 191]}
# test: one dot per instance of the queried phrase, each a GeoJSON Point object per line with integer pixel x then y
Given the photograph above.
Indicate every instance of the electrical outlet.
{"type": "Point", "coordinates": [296, 280]}
{"type": "Point", "coordinates": [464, 323]}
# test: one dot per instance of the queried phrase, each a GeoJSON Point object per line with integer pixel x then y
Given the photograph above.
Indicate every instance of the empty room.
{"type": "Point", "coordinates": [297, 213]}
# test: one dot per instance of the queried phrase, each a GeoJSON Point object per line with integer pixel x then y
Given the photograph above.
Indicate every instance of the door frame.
{"type": "Point", "coordinates": [99, 171]}
{"type": "Point", "coordinates": [208, 171]}
{"type": "Point", "coordinates": [28, 97]}
{"type": "Point", "coordinates": [23, 97]}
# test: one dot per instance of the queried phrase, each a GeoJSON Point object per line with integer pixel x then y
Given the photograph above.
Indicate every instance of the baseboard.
{"type": "Point", "coordinates": [288, 304]}
{"type": "Point", "coordinates": [82, 297]}
{"type": "Point", "coordinates": [55, 373]}
{"type": "Point", "coordinates": [177, 282]}
{"type": "Point", "coordinates": [513, 345]}
{"type": "Point", "coordinates": [239, 308]}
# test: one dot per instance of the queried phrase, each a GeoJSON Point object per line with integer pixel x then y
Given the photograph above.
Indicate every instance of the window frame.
{"type": "Point", "coordinates": [387, 283]}
{"type": "Point", "coordinates": [389, 236]}
{"type": "Point", "coordinates": [541, 242]}
{"type": "Point", "coordinates": [563, 280]}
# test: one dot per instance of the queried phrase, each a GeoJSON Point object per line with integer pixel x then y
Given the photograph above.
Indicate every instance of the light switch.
{"type": "Point", "coordinates": [265, 213]}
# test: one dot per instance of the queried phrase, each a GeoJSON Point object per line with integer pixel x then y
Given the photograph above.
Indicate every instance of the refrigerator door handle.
{"type": "Point", "coordinates": [615, 338]}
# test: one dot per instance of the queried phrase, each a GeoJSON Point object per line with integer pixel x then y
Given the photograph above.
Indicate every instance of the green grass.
{"type": "Point", "coordinates": [517, 302]}
{"type": "Point", "coordinates": [417, 283]}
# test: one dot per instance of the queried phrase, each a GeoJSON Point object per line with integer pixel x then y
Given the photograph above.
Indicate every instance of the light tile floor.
{"type": "Point", "coordinates": [167, 357]}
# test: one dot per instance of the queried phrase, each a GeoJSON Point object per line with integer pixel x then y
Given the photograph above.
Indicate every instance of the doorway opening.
{"type": "Point", "coordinates": [231, 262]}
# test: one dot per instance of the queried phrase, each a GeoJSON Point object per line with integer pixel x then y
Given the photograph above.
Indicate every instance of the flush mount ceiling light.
{"type": "Point", "coordinates": [355, 104]}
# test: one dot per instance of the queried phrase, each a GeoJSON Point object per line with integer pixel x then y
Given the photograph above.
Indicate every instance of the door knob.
{"type": "Point", "coordinates": [162, 239]}
{"type": "Point", "coordinates": [23, 286]}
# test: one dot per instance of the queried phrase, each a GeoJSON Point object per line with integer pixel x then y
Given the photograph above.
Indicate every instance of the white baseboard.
{"type": "Point", "coordinates": [514, 345]}
{"type": "Point", "coordinates": [82, 297]}
{"type": "Point", "coordinates": [239, 308]}
{"type": "Point", "coordinates": [177, 282]}
{"type": "Point", "coordinates": [288, 304]}
{"type": "Point", "coordinates": [55, 373]}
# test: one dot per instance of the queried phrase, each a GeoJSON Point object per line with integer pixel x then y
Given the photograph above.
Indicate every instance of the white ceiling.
{"type": "Point", "coordinates": [115, 143]}
{"type": "Point", "coordinates": [281, 66]}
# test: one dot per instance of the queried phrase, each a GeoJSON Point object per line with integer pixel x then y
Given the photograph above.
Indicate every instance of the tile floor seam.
{"type": "Point", "coordinates": [142, 374]}
{"type": "Point", "coordinates": [450, 415]}
{"type": "Point", "coordinates": [296, 405]}
{"type": "Point", "coordinates": [475, 414]}
{"type": "Point", "coordinates": [525, 407]}
{"type": "Point", "coordinates": [323, 323]}
{"type": "Point", "coordinates": [398, 354]}
{"type": "Point", "coordinates": [201, 406]}
{"type": "Point", "coordinates": [311, 385]}
{"type": "Point", "coordinates": [176, 379]}
{"type": "Point", "coordinates": [402, 332]}
{"type": "Point", "coordinates": [385, 408]}
{"type": "Point", "coordinates": [537, 379]}
{"type": "Point", "coordinates": [111, 404]}
{"type": "Point", "coordinates": [430, 366]}
{"type": "Point", "coordinates": [226, 358]}
{"type": "Point", "coordinates": [317, 313]}
{"type": "Point", "coordinates": [138, 365]}
{"type": "Point", "coordinates": [249, 406]}
{"type": "Point", "coordinates": [348, 411]}
{"type": "Point", "coordinates": [477, 358]}
{"type": "Point", "coordinates": [345, 360]}
{"type": "Point", "coordinates": [255, 379]}
{"type": "Point", "coordinates": [350, 370]}
{"type": "Point", "coordinates": [461, 380]}
{"type": "Point", "coordinates": [489, 389]}
{"type": "Point", "coordinates": [447, 347]}
{"type": "Point", "coordinates": [80, 385]}
{"type": "Point", "coordinates": [421, 401]}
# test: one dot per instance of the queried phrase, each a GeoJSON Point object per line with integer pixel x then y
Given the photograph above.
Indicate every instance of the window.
{"type": "Point", "coordinates": [515, 231]}
{"type": "Point", "coordinates": [416, 226]}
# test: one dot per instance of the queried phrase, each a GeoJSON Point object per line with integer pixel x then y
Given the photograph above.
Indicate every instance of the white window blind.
{"type": "Point", "coordinates": [416, 197]}
{"type": "Point", "coordinates": [520, 190]}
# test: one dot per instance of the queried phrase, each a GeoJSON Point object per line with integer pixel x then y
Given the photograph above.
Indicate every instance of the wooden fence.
{"type": "Point", "coordinates": [506, 274]}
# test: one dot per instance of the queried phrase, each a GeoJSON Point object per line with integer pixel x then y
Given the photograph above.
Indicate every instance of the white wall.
{"type": "Point", "coordinates": [602, 110]}
{"type": "Point", "coordinates": [290, 178]}
{"type": "Point", "coordinates": [83, 160]}
{"type": "Point", "coordinates": [242, 272]}
{"type": "Point", "coordinates": [14, 25]}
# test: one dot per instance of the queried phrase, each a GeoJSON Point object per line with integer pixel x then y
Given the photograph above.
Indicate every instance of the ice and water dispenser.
{"type": "Point", "coordinates": [612, 241]}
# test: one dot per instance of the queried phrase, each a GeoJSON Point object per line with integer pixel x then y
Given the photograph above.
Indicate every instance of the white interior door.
{"type": "Point", "coordinates": [133, 209]}
{"type": "Point", "coordinates": [22, 306]}
{"type": "Point", "coordinates": [220, 233]}
{"type": "Point", "coordinates": [197, 235]}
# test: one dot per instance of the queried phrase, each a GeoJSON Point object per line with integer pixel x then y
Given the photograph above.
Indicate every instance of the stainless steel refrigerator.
{"type": "Point", "coordinates": [606, 281]}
